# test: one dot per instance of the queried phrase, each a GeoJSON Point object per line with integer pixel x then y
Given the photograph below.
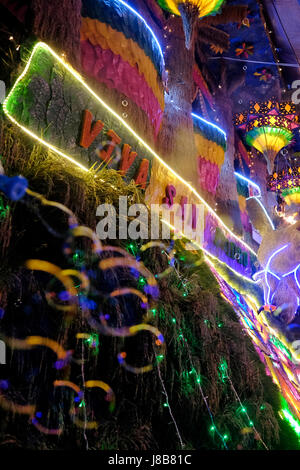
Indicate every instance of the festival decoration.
{"type": "Point", "coordinates": [119, 49]}
{"type": "Point", "coordinates": [246, 23]}
{"type": "Point", "coordinates": [280, 355]}
{"type": "Point", "coordinates": [58, 125]}
{"type": "Point", "coordinates": [209, 175]}
{"type": "Point", "coordinates": [190, 11]}
{"type": "Point", "coordinates": [201, 83]}
{"type": "Point", "coordinates": [88, 297]}
{"type": "Point", "coordinates": [287, 183]}
{"type": "Point", "coordinates": [210, 143]}
{"type": "Point", "coordinates": [264, 74]}
{"type": "Point", "coordinates": [217, 49]}
{"type": "Point", "coordinates": [291, 196]}
{"type": "Point", "coordinates": [242, 187]}
{"type": "Point", "coordinates": [244, 50]}
{"type": "Point", "coordinates": [135, 157]}
{"type": "Point", "coordinates": [268, 127]}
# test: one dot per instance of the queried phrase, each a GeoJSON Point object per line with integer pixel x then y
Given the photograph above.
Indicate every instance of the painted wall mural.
{"type": "Point", "coordinates": [74, 122]}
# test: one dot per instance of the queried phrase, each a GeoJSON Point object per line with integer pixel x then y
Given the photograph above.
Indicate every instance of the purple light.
{"type": "Point", "coordinates": [267, 270]}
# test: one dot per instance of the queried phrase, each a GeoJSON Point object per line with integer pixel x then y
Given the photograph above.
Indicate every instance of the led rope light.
{"type": "Point", "coordinates": [296, 279]}
{"type": "Point", "coordinates": [256, 197]}
{"type": "Point", "coordinates": [146, 24]}
{"type": "Point", "coordinates": [210, 124]}
{"type": "Point", "coordinates": [242, 177]}
{"type": "Point", "coordinates": [53, 148]}
{"type": "Point", "coordinates": [247, 279]}
{"type": "Point", "coordinates": [267, 268]}
{"type": "Point", "coordinates": [264, 209]}
{"type": "Point", "coordinates": [291, 272]}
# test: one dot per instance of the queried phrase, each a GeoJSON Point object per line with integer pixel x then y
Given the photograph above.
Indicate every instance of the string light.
{"type": "Point", "coordinates": [210, 124]}
{"type": "Point", "coordinates": [155, 155]}
{"type": "Point", "coordinates": [147, 26]}
{"type": "Point", "coordinates": [249, 182]}
{"type": "Point", "coordinates": [264, 336]}
{"type": "Point", "coordinates": [267, 269]}
{"type": "Point", "coordinates": [264, 210]}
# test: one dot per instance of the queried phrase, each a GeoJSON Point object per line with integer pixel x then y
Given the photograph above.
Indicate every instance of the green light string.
{"type": "Point", "coordinates": [244, 410]}
{"type": "Point", "coordinates": [167, 405]}
{"type": "Point", "coordinates": [93, 342]}
{"type": "Point", "coordinates": [285, 413]}
{"type": "Point", "coordinates": [223, 370]}
{"type": "Point", "coordinates": [4, 208]}
{"type": "Point", "coordinates": [82, 404]}
{"type": "Point", "coordinates": [134, 249]}
{"type": "Point", "coordinates": [213, 427]}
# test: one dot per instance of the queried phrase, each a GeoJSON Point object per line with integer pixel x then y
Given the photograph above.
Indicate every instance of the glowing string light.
{"type": "Point", "coordinates": [264, 210]}
{"type": "Point", "coordinates": [159, 342]}
{"type": "Point", "coordinates": [147, 26]}
{"type": "Point", "coordinates": [249, 182]}
{"type": "Point", "coordinates": [210, 124]}
{"type": "Point", "coordinates": [124, 123]}
{"type": "Point", "coordinates": [267, 269]}
{"type": "Point", "coordinates": [200, 247]}
{"type": "Point", "coordinates": [110, 397]}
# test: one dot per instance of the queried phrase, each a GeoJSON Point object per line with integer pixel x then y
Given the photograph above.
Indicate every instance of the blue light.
{"type": "Point", "coordinates": [291, 272]}
{"type": "Point", "coordinates": [295, 276]}
{"type": "Point", "coordinates": [275, 275]}
{"type": "Point", "coordinates": [265, 211]}
{"type": "Point", "coordinates": [269, 272]}
{"type": "Point", "coordinates": [248, 181]}
{"type": "Point", "coordinates": [147, 26]}
{"type": "Point", "coordinates": [272, 297]}
{"type": "Point", "coordinates": [257, 274]}
{"type": "Point", "coordinates": [210, 124]}
{"type": "Point", "coordinates": [267, 269]}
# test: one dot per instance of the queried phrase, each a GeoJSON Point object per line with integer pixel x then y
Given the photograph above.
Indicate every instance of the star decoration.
{"type": "Point", "coordinates": [245, 50]}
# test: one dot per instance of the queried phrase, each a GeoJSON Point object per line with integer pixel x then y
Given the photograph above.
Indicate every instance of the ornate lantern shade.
{"type": "Point", "coordinates": [190, 11]}
{"type": "Point", "coordinates": [269, 141]}
{"type": "Point", "coordinates": [268, 127]}
{"type": "Point", "coordinates": [287, 183]}
{"type": "Point", "coordinates": [291, 196]}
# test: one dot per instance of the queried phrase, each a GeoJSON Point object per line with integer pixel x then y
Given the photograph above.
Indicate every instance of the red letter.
{"type": "Point", "coordinates": [141, 178]}
{"type": "Point", "coordinates": [127, 159]}
{"type": "Point", "coordinates": [89, 132]}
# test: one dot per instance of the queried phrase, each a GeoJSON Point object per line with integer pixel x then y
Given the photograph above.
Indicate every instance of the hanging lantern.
{"type": "Point", "coordinates": [268, 127]}
{"type": "Point", "coordinates": [292, 195]}
{"type": "Point", "coordinates": [190, 11]}
{"type": "Point", "coordinates": [269, 141]}
{"type": "Point", "coordinates": [287, 183]}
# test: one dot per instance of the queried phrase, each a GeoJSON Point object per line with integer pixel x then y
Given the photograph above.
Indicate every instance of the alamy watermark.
{"type": "Point", "coordinates": [2, 91]}
{"type": "Point", "coordinates": [2, 353]}
{"type": "Point", "coordinates": [159, 221]}
{"type": "Point", "coordinates": [296, 93]}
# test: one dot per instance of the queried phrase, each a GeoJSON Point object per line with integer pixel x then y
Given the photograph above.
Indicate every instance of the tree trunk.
{"type": "Point", "coordinates": [58, 22]}
{"type": "Point", "coordinates": [176, 138]}
{"type": "Point", "coordinates": [226, 195]}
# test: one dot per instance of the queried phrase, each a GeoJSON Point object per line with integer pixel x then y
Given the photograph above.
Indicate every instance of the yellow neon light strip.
{"type": "Point", "coordinates": [236, 273]}
{"type": "Point", "coordinates": [54, 149]}
{"type": "Point", "coordinates": [209, 255]}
